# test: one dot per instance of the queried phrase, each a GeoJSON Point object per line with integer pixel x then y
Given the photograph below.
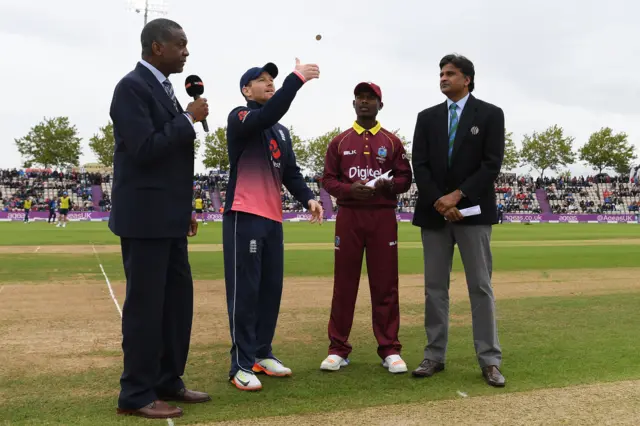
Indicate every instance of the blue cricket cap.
{"type": "Point", "coordinates": [253, 73]}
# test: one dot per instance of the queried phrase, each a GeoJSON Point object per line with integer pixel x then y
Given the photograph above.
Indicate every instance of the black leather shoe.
{"type": "Point", "coordinates": [155, 410]}
{"type": "Point", "coordinates": [493, 377]}
{"type": "Point", "coordinates": [427, 368]}
{"type": "Point", "coordinates": [187, 396]}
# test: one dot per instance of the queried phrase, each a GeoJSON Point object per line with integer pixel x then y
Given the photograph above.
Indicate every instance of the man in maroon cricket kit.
{"type": "Point", "coordinates": [366, 219]}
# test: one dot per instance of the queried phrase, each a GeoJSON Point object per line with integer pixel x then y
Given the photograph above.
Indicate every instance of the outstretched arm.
{"type": "Point", "coordinates": [244, 121]}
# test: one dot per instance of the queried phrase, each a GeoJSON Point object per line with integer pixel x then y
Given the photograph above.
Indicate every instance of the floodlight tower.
{"type": "Point", "coordinates": [158, 8]}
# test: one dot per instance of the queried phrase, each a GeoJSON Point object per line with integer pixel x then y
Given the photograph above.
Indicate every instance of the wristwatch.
{"type": "Point", "coordinates": [193, 117]}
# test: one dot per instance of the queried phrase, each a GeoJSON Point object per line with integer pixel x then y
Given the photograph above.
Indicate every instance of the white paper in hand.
{"type": "Point", "coordinates": [385, 175]}
{"type": "Point", "coordinates": [471, 211]}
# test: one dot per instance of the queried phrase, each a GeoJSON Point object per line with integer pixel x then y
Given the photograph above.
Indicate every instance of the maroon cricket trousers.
{"type": "Point", "coordinates": [376, 230]}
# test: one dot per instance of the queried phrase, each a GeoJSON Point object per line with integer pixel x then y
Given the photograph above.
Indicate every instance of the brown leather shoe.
{"type": "Point", "coordinates": [155, 410]}
{"type": "Point", "coordinates": [187, 396]}
{"type": "Point", "coordinates": [492, 376]}
{"type": "Point", "coordinates": [427, 368]}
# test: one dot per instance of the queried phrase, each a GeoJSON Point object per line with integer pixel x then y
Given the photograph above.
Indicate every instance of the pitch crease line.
{"type": "Point", "coordinates": [113, 296]}
{"type": "Point", "coordinates": [106, 278]}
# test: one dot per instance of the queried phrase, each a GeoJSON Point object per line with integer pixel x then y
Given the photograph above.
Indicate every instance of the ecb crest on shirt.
{"type": "Point", "coordinates": [242, 114]}
{"type": "Point", "coordinates": [275, 149]}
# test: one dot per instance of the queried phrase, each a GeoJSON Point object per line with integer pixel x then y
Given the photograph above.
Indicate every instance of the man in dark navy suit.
{"type": "Point", "coordinates": [153, 169]}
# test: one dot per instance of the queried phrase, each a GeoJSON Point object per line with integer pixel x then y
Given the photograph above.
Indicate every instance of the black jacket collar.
{"type": "Point", "coordinates": [254, 104]}
{"type": "Point", "coordinates": [158, 89]}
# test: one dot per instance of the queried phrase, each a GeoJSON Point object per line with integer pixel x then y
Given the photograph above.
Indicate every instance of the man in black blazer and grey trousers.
{"type": "Point", "coordinates": [458, 148]}
{"type": "Point", "coordinates": [151, 213]}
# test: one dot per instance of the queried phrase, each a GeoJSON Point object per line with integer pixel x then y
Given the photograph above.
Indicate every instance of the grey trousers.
{"type": "Point", "coordinates": [474, 245]}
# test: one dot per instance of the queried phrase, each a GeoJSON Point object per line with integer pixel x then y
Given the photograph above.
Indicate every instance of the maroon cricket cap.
{"type": "Point", "coordinates": [368, 85]}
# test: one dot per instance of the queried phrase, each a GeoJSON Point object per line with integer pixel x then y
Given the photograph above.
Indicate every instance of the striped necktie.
{"type": "Point", "coordinates": [169, 89]}
{"type": "Point", "coordinates": [453, 126]}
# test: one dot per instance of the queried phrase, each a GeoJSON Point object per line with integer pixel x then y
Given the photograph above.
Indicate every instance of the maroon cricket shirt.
{"type": "Point", "coordinates": [360, 154]}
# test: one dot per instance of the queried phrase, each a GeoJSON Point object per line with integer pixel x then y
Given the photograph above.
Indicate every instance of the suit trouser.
{"type": "Point", "coordinates": [253, 270]}
{"type": "Point", "coordinates": [474, 245]}
{"type": "Point", "coordinates": [376, 230]}
{"type": "Point", "coordinates": [156, 319]}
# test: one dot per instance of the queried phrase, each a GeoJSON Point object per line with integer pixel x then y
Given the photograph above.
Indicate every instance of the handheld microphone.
{"type": "Point", "coordinates": [195, 88]}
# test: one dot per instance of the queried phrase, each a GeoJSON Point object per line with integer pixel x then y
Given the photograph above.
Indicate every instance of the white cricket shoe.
{"type": "Point", "coordinates": [334, 363]}
{"type": "Point", "coordinates": [395, 364]}
{"type": "Point", "coordinates": [246, 381]}
{"type": "Point", "coordinates": [271, 367]}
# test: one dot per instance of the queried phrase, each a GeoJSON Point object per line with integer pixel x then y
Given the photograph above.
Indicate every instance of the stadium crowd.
{"type": "Point", "coordinates": [514, 194]}
{"type": "Point", "coordinates": [42, 186]}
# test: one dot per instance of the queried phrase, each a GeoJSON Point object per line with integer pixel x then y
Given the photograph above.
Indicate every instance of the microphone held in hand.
{"type": "Point", "coordinates": [194, 86]}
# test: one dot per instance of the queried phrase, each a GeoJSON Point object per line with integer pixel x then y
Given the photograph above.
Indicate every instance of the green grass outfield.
{"type": "Point", "coordinates": [39, 233]}
{"type": "Point", "coordinates": [43, 268]}
{"type": "Point", "coordinates": [547, 341]}
{"type": "Point", "coordinates": [40, 267]}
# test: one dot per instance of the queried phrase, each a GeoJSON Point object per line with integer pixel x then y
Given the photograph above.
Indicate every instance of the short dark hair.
{"type": "Point", "coordinates": [157, 30]}
{"type": "Point", "coordinates": [463, 64]}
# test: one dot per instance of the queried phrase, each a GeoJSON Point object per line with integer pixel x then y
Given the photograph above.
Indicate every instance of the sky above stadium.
{"type": "Point", "coordinates": [569, 62]}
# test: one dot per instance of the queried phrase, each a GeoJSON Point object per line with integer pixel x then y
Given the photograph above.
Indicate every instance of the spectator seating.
{"type": "Point", "coordinates": [611, 198]}
{"type": "Point", "coordinates": [42, 186]}
{"type": "Point", "coordinates": [518, 194]}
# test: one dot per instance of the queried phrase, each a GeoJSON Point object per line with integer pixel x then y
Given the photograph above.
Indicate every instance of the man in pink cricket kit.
{"type": "Point", "coordinates": [366, 218]}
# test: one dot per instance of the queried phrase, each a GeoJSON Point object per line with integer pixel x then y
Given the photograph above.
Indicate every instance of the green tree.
{"type": "Point", "coordinates": [548, 150]}
{"type": "Point", "coordinates": [300, 148]}
{"type": "Point", "coordinates": [317, 150]}
{"type": "Point", "coordinates": [51, 143]}
{"type": "Point", "coordinates": [215, 150]}
{"type": "Point", "coordinates": [102, 145]}
{"type": "Point", "coordinates": [511, 156]}
{"type": "Point", "coordinates": [623, 170]}
{"type": "Point", "coordinates": [606, 150]}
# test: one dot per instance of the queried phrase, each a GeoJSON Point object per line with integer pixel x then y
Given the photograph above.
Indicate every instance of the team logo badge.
{"type": "Point", "coordinates": [382, 154]}
{"type": "Point", "coordinates": [475, 130]}
{"type": "Point", "coordinates": [274, 148]}
{"type": "Point", "coordinates": [242, 114]}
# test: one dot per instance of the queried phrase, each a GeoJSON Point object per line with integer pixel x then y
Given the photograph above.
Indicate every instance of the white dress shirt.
{"type": "Point", "coordinates": [161, 78]}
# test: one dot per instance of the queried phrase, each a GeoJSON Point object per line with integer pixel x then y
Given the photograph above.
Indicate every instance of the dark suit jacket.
{"type": "Point", "coordinates": [153, 160]}
{"type": "Point", "coordinates": [476, 161]}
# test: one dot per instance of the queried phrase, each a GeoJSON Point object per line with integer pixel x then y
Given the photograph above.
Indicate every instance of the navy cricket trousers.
{"type": "Point", "coordinates": [253, 271]}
